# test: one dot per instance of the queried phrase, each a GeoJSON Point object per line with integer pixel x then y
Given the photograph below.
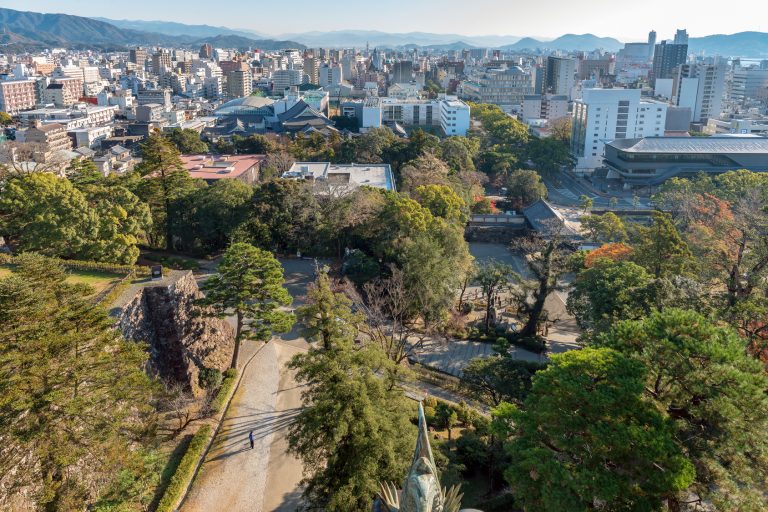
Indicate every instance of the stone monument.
{"type": "Point", "coordinates": [421, 490]}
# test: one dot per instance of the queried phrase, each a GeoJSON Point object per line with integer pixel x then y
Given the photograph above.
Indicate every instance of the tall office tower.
{"type": "Point", "coordinates": [402, 72]}
{"type": "Point", "coordinates": [558, 76]}
{"type": "Point", "coordinates": [651, 43]}
{"type": "Point", "coordinates": [666, 58]}
{"type": "Point", "coordinates": [206, 51]}
{"type": "Point", "coordinates": [681, 36]}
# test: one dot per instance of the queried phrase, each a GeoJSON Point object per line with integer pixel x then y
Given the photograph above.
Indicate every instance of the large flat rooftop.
{"type": "Point", "coordinates": [721, 144]}
{"type": "Point", "coordinates": [344, 175]}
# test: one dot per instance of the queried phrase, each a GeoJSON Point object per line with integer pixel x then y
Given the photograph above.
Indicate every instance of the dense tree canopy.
{"type": "Point", "coordinates": [586, 439]}
{"type": "Point", "coordinates": [75, 403]}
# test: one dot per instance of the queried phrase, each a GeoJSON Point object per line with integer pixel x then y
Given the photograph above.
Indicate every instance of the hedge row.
{"type": "Point", "coordinates": [220, 400]}
{"type": "Point", "coordinates": [185, 471]}
{"type": "Point", "coordinates": [7, 259]}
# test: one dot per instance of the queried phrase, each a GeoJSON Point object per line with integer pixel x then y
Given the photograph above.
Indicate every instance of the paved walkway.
{"type": "Point", "coordinates": [233, 477]}
{"type": "Point", "coordinates": [451, 356]}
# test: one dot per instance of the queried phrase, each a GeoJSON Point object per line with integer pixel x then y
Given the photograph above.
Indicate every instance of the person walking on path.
{"type": "Point", "coordinates": [250, 438]}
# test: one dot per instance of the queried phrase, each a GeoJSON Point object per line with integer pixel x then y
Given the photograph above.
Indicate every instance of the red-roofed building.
{"type": "Point", "coordinates": [212, 168]}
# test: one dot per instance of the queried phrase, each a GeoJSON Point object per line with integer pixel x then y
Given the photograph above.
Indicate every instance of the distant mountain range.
{"type": "Point", "coordinates": [171, 28]}
{"type": "Point", "coordinates": [30, 29]}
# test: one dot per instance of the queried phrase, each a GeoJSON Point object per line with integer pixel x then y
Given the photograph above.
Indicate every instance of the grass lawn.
{"type": "Point", "coordinates": [97, 280]}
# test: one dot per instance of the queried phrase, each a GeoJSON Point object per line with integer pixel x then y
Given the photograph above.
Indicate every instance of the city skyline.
{"type": "Point", "coordinates": [603, 17]}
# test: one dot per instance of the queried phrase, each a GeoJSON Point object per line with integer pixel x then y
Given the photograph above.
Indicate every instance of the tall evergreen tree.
{"type": "Point", "coordinates": [249, 284]}
{"type": "Point", "coordinates": [166, 180]}
{"type": "Point", "coordinates": [74, 401]}
{"type": "Point", "coordinates": [354, 430]}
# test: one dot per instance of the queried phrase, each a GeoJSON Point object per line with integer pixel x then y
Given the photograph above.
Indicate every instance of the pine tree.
{"type": "Point", "coordinates": [249, 285]}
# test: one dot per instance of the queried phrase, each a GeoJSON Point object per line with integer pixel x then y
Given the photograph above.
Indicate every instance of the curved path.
{"type": "Point", "coordinates": [234, 478]}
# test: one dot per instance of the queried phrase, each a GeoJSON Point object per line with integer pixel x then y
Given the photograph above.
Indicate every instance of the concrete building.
{"type": "Point", "coordinates": [454, 117]}
{"type": "Point", "coordinates": [559, 76]}
{"type": "Point", "coordinates": [749, 84]}
{"type": "Point", "coordinates": [446, 112]}
{"type": "Point", "coordinates": [149, 113]}
{"type": "Point", "coordinates": [501, 86]}
{"type": "Point", "coordinates": [17, 95]}
{"type": "Point", "coordinates": [154, 96]}
{"type": "Point", "coordinates": [651, 161]}
{"type": "Point", "coordinates": [700, 87]}
{"type": "Point", "coordinates": [50, 141]}
{"type": "Point", "coordinates": [239, 83]}
{"type": "Point", "coordinates": [282, 79]}
{"type": "Point", "coordinates": [138, 56]}
{"type": "Point", "coordinates": [667, 57]}
{"type": "Point", "coordinates": [161, 62]}
{"type": "Point", "coordinates": [549, 107]}
{"type": "Point", "coordinates": [337, 179]}
{"type": "Point", "coordinates": [90, 137]}
{"type": "Point", "coordinates": [206, 51]}
{"type": "Point", "coordinates": [329, 75]}
{"type": "Point", "coordinates": [210, 168]}
{"type": "Point", "coordinates": [603, 115]}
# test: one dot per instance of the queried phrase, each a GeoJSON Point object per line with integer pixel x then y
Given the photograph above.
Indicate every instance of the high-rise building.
{"type": "Point", "coordinates": [312, 70]}
{"type": "Point", "coordinates": [667, 57]}
{"type": "Point", "coordinates": [560, 75]}
{"type": "Point", "coordinates": [161, 61]}
{"type": "Point", "coordinates": [651, 44]}
{"type": "Point", "coordinates": [282, 79]}
{"type": "Point", "coordinates": [206, 51]}
{"type": "Point", "coordinates": [402, 71]}
{"type": "Point", "coordinates": [681, 36]}
{"type": "Point", "coordinates": [700, 87]}
{"type": "Point", "coordinates": [239, 83]}
{"type": "Point", "coordinates": [500, 86]}
{"type": "Point", "coordinates": [749, 84]}
{"type": "Point", "coordinates": [329, 75]}
{"type": "Point", "coordinates": [138, 56]}
{"type": "Point", "coordinates": [607, 114]}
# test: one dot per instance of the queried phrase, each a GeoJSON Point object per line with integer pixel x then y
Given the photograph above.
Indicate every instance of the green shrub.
{"type": "Point", "coordinates": [429, 415]}
{"type": "Point", "coordinates": [186, 470]}
{"type": "Point", "coordinates": [534, 344]}
{"type": "Point", "coordinates": [222, 395]}
{"type": "Point", "coordinates": [209, 378]}
{"type": "Point", "coordinates": [430, 401]}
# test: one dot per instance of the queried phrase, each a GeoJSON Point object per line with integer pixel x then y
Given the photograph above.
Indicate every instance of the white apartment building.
{"type": "Point", "coordinates": [603, 115]}
{"type": "Point", "coordinates": [90, 137]}
{"type": "Point", "coordinates": [447, 112]}
{"type": "Point", "coordinates": [544, 106]}
{"type": "Point", "coordinates": [329, 75]}
{"type": "Point", "coordinates": [700, 87]}
{"type": "Point", "coordinates": [282, 79]}
{"type": "Point", "coordinates": [17, 95]}
{"type": "Point", "coordinates": [454, 117]}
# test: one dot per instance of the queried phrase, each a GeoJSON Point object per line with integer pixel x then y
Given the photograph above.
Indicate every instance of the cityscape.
{"type": "Point", "coordinates": [263, 259]}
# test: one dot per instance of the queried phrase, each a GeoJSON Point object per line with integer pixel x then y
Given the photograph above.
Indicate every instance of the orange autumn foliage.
{"type": "Point", "coordinates": [614, 252]}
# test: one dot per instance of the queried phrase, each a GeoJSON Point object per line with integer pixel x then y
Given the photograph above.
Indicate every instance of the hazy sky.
{"type": "Point", "coordinates": [624, 19]}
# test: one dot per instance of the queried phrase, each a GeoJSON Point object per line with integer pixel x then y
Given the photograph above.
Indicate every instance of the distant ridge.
{"type": "Point", "coordinates": [31, 29]}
